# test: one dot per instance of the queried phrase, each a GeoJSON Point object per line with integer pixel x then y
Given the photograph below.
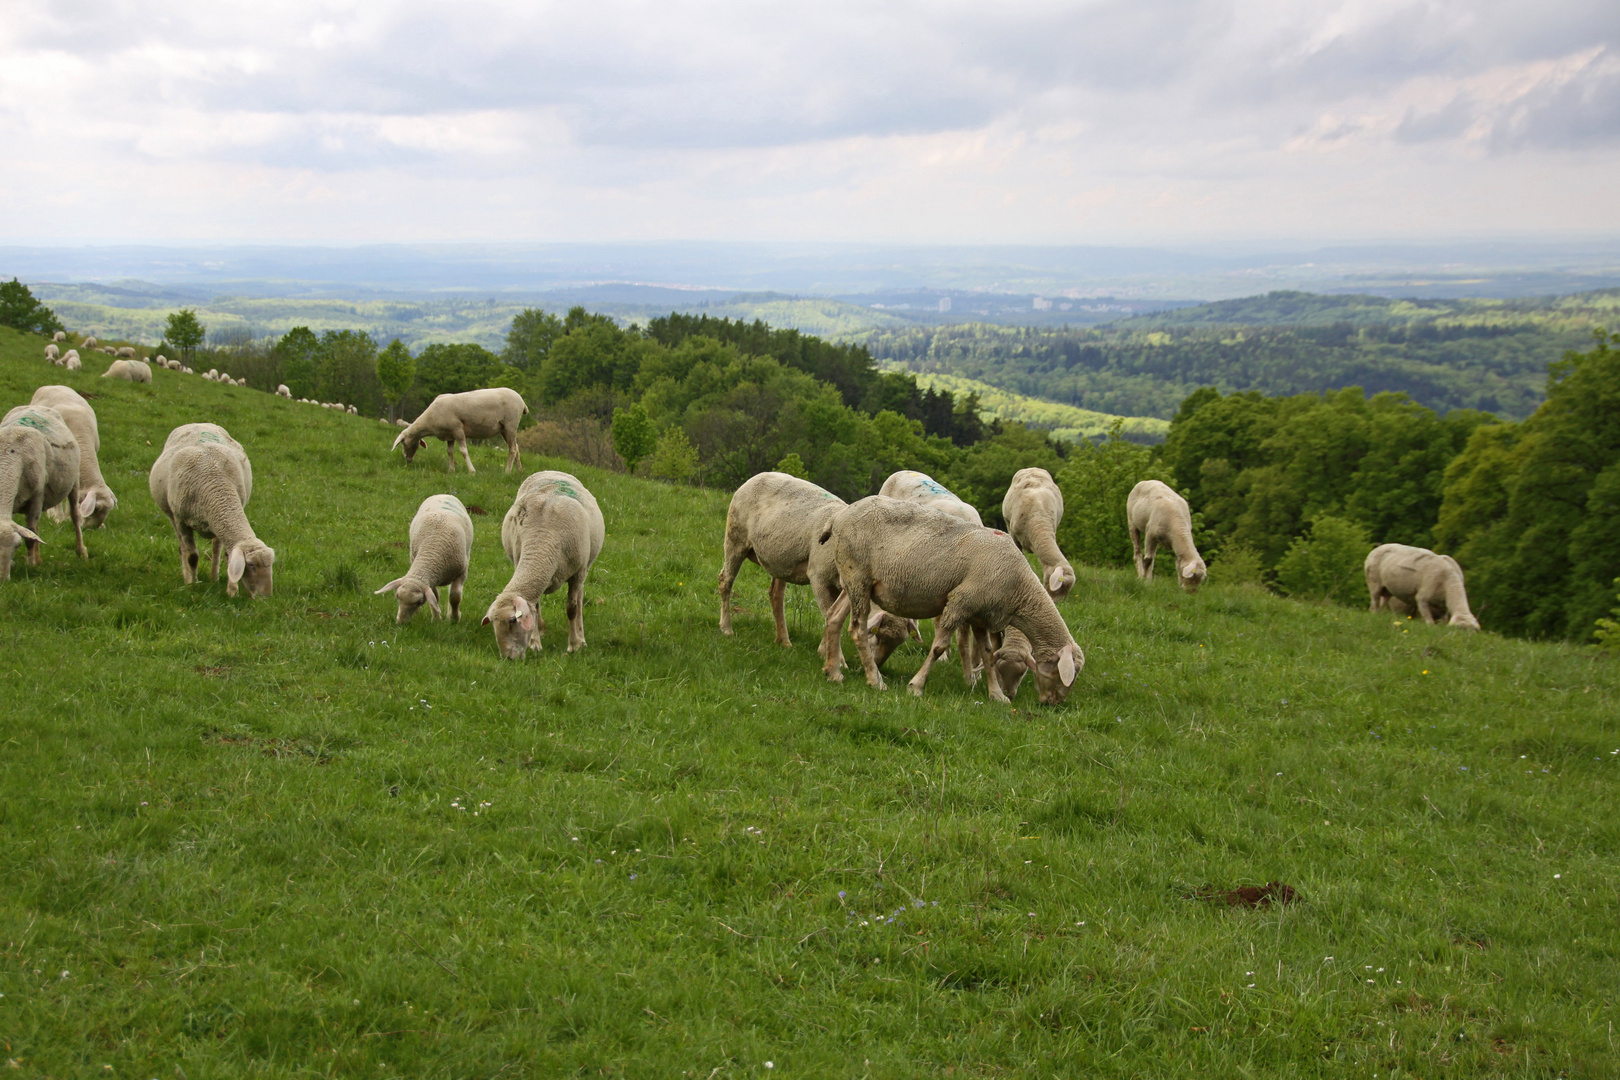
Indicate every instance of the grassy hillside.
{"type": "Point", "coordinates": [288, 838]}
{"type": "Point", "coordinates": [1062, 421]}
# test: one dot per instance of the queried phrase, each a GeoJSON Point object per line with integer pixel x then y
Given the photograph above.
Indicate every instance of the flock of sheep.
{"type": "Point", "coordinates": [914, 551]}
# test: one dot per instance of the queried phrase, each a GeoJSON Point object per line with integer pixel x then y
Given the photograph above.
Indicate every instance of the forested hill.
{"type": "Point", "coordinates": [1490, 355]}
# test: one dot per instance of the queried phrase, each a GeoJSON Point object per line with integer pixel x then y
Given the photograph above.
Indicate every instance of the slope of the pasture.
{"type": "Point", "coordinates": [288, 838]}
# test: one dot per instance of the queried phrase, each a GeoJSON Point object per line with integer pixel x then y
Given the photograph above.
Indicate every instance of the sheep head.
{"type": "Point", "coordinates": [1054, 678]}
{"type": "Point", "coordinates": [1192, 574]}
{"type": "Point", "coordinates": [97, 503]}
{"type": "Point", "coordinates": [412, 595]}
{"type": "Point", "coordinates": [888, 632]}
{"type": "Point", "coordinates": [1464, 620]}
{"type": "Point", "coordinates": [1059, 580]}
{"type": "Point", "coordinates": [12, 536]}
{"type": "Point", "coordinates": [518, 625]}
{"type": "Point", "coordinates": [253, 561]}
{"type": "Point", "coordinates": [1011, 667]}
{"type": "Point", "coordinates": [411, 443]}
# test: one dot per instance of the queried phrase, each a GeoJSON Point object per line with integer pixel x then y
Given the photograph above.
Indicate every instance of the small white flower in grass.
{"type": "Point", "coordinates": [1557, 876]}
{"type": "Point", "coordinates": [770, 1065]}
{"type": "Point", "coordinates": [65, 974]}
{"type": "Point", "coordinates": [1380, 969]}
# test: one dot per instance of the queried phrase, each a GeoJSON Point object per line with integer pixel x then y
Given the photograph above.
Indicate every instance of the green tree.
{"type": "Point", "coordinates": [530, 339]}
{"type": "Point", "coordinates": [793, 465]}
{"type": "Point", "coordinates": [455, 369]}
{"type": "Point", "coordinates": [21, 311]}
{"type": "Point", "coordinates": [396, 371]}
{"type": "Point", "coordinates": [184, 332]}
{"type": "Point", "coordinates": [1607, 629]}
{"type": "Point", "coordinates": [295, 354]}
{"type": "Point", "coordinates": [1327, 564]}
{"type": "Point", "coordinates": [633, 436]}
{"type": "Point", "coordinates": [346, 366]}
{"type": "Point", "coordinates": [675, 458]}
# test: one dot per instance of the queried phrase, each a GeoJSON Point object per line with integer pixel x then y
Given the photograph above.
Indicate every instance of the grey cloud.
{"type": "Point", "coordinates": [1583, 112]}
{"type": "Point", "coordinates": [1447, 122]}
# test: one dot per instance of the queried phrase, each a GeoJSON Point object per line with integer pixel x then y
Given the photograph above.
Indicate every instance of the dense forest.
{"type": "Point", "coordinates": [1450, 354]}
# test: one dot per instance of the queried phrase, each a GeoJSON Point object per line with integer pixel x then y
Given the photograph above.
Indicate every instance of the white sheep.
{"type": "Point", "coordinates": [1156, 515]}
{"type": "Point", "coordinates": [552, 534]}
{"type": "Point", "coordinates": [162, 360]}
{"type": "Point", "coordinates": [1415, 577]}
{"type": "Point", "coordinates": [127, 352]}
{"type": "Point", "coordinates": [52, 353]}
{"type": "Point", "coordinates": [73, 363]}
{"type": "Point", "coordinates": [282, 391]}
{"type": "Point", "coordinates": [920, 487]}
{"type": "Point", "coordinates": [89, 342]}
{"type": "Point", "coordinates": [71, 354]}
{"type": "Point", "coordinates": [774, 520]}
{"type": "Point", "coordinates": [203, 480]}
{"type": "Point", "coordinates": [441, 552]}
{"type": "Point", "coordinates": [919, 563]}
{"type": "Point", "coordinates": [135, 371]}
{"type": "Point", "coordinates": [353, 411]}
{"type": "Point", "coordinates": [476, 414]}
{"type": "Point", "coordinates": [39, 467]}
{"type": "Point", "coordinates": [1011, 655]}
{"type": "Point", "coordinates": [186, 371]}
{"type": "Point", "coordinates": [75, 411]}
{"type": "Point", "coordinates": [400, 423]}
{"type": "Point", "coordinates": [1033, 508]}
{"type": "Point", "coordinates": [60, 335]}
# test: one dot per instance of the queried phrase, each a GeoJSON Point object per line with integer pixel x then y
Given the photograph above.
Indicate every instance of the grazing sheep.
{"type": "Point", "coordinates": [282, 391]}
{"type": "Point", "coordinates": [98, 498]}
{"type": "Point", "coordinates": [109, 350]}
{"type": "Point", "coordinates": [1011, 657]}
{"type": "Point", "coordinates": [72, 363]}
{"type": "Point", "coordinates": [60, 335]}
{"type": "Point", "coordinates": [1403, 577]}
{"type": "Point", "coordinates": [161, 359]}
{"type": "Point", "coordinates": [135, 371]}
{"type": "Point", "coordinates": [39, 467]}
{"type": "Point", "coordinates": [400, 423]}
{"type": "Point", "coordinates": [1157, 515]}
{"type": "Point", "coordinates": [88, 343]}
{"type": "Point", "coordinates": [441, 552]}
{"type": "Point", "coordinates": [353, 411]}
{"type": "Point", "coordinates": [552, 534]}
{"type": "Point", "coordinates": [186, 371]}
{"type": "Point", "coordinates": [52, 353]}
{"type": "Point", "coordinates": [774, 520]}
{"type": "Point", "coordinates": [920, 487]}
{"type": "Point", "coordinates": [126, 352]}
{"type": "Point", "coordinates": [203, 481]}
{"type": "Point", "coordinates": [1033, 508]}
{"type": "Point", "coordinates": [71, 354]}
{"type": "Point", "coordinates": [923, 489]}
{"type": "Point", "coordinates": [476, 414]}
{"type": "Point", "coordinates": [919, 563]}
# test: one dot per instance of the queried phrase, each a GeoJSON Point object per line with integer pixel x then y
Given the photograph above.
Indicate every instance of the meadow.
{"type": "Point", "coordinates": [289, 838]}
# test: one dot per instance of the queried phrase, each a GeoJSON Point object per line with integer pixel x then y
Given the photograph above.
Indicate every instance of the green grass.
{"type": "Point", "coordinates": [288, 838]}
{"type": "Point", "coordinates": [1068, 422]}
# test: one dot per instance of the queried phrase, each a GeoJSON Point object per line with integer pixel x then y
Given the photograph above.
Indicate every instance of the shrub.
{"type": "Point", "coordinates": [633, 435]}
{"type": "Point", "coordinates": [1237, 565]}
{"type": "Point", "coordinates": [20, 311]}
{"type": "Point", "coordinates": [1327, 562]}
{"type": "Point", "coordinates": [1095, 485]}
{"type": "Point", "coordinates": [676, 458]}
{"type": "Point", "coordinates": [793, 465]}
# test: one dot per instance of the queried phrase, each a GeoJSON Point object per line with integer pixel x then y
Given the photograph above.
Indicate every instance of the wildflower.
{"type": "Point", "coordinates": [841, 894]}
{"type": "Point", "coordinates": [770, 1065]}
{"type": "Point", "coordinates": [1555, 878]}
{"type": "Point", "coordinates": [65, 974]}
{"type": "Point", "coordinates": [632, 877]}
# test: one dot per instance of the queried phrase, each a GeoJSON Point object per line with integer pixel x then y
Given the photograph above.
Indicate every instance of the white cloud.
{"type": "Point", "coordinates": [1099, 120]}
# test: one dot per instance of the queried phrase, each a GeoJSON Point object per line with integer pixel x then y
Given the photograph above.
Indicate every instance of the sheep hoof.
{"type": "Point", "coordinates": [835, 676]}
{"type": "Point", "coordinates": [876, 683]}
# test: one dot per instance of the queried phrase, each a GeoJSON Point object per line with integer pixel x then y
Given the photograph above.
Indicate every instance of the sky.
{"type": "Point", "coordinates": [1020, 121]}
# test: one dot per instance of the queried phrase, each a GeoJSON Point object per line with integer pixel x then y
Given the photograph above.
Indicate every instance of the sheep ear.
{"type": "Point", "coordinates": [28, 534]}
{"type": "Point", "coordinates": [393, 585]}
{"type": "Point", "coordinates": [874, 618]}
{"type": "Point", "coordinates": [1029, 662]}
{"type": "Point", "coordinates": [87, 505]}
{"type": "Point", "coordinates": [237, 566]}
{"type": "Point", "coordinates": [1054, 580]}
{"type": "Point", "coordinates": [397, 440]}
{"type": "Point", "coordinates": [433, 602]}
{"type": "Point", "coordinates": [914, 629]}
{"type": "Point", "coordinates": [525, 615]}
{"type": "Point", "coordinates": [1066, 665]}
{"type": "Point", "coordinates": [1189, 571]}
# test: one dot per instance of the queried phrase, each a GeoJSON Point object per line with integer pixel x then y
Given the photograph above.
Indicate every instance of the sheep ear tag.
{"type": "Point", "coordinates": [873, 619]}
{"type": "Point", "coordinates": [237, 566]}
{"type": "Point", "coordinates": [392, 585]}
{"type": "Point", "coordinates": [1189, 571]}
{"type": "Point", "coordinates": [525, 616]}
{"type": "Point", "coordinates": [87, 505]}
{"type": "Point", "coordinates": [1066, 665]}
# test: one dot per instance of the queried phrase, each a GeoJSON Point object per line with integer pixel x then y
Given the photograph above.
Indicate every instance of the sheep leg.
{"type": "Point", "coordinates": [832, 646]}
{"type": "Point", "coordinates": [971, 665]}
{"type": "Point", "coordinates": [1150, 548]}
{"type": "Point", "coordinates": [576, 612]}
{"type": "Point", "coordinates": [735, 554]}
{"type": "Point", "coordinates": [461, 444]}
{"type": "Point", "coordinates": [826, 603]}
{"type": "Point", "coordinates": [450, 454]}
{"type": "Point", "coordinates": [78, 524]}
{"type": "Point", "coordinates": [35, 507]}
{"type": "Point", "coordinates": [944, 627]}
{"type": "Point", "coordinates": [455, 598]}
{"type": "Point", "coordinates": [860, 606]}
{"type": "Point", "coordinates": [779, 611]}
{"type": "Point", "coordinates": [992, 675]}
{"type": "Point", "coordinates": [1426, 610]}
{"type": "Point", "coordinates": [514, 460]}
{"type": "Point", "coordinates": [217, 546]}
{"type": "Point", "coordinates": [1136, 550]}
{"type": "Point", "coordinates": [188, 552]}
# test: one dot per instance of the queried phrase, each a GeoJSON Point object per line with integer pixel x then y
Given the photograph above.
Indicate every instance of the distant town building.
{"type": "Point", "coordinates": [1042, 304]}
{"type": "Point", "coordinates": [944, 303]}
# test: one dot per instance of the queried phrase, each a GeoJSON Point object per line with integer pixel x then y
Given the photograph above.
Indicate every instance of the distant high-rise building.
{"type": "Point", "coordinates": [944, 303]}
{"type": "Point", "coordinates": [1042, 304]}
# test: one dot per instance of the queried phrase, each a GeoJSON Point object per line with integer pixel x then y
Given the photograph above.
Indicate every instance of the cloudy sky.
{"type": "Point", "coordinates": [1089, 121]}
